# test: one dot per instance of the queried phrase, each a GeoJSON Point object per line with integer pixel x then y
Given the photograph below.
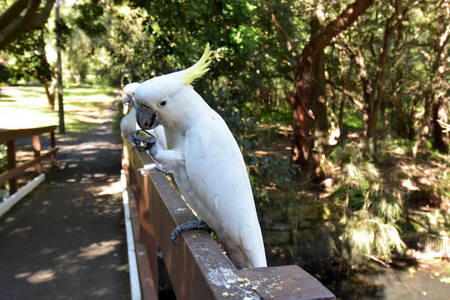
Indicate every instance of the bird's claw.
{"type": "Point", "coordinates": [151, 167]}
{"type": "Point", "coordinates": [191, 225]}
{"type": "Point", "coordinates": [144, 143]}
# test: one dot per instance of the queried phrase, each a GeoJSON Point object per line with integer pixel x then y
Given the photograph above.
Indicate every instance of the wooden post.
{"type": "Point", "coordinates": [53, 146]}
{"type": "Point", "coordinates": [37, 152]}
{"type": "Point", "coordinates": [147, 232]}
{"type": "Point", "coordinates": [62, 128]}
{"type": "Point", "coordinates": [11, 165]}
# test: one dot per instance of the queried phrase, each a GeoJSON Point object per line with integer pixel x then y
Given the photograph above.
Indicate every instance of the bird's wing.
{"type": "Point", "coordinates": [217, 173]}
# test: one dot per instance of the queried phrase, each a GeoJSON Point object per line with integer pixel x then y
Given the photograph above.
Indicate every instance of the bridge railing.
{"type": "Point", "coordinates": [198, 268]}
{"type": "Point", "coordinates": [14, 170]}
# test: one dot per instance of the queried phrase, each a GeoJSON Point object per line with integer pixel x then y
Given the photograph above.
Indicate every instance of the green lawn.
{"type": "Point", "coordinates": [25, 107]}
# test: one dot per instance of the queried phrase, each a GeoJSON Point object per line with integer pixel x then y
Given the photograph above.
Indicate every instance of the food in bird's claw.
{"type": "Point", "coordinates": [205, 161]}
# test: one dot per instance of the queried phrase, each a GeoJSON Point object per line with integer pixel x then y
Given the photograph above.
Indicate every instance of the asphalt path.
{"type": "Point", "coordinates": [66, 239]}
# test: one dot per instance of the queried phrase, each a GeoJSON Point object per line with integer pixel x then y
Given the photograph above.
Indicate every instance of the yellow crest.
{"type": "Point", "coordinates": [200, 68]}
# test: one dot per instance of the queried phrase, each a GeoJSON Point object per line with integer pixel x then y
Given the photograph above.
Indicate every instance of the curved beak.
{"type": "Point", "coordinates": [146, 118]}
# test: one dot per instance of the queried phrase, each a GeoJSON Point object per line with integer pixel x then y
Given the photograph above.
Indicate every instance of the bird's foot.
{"type": "Point", "coordinates": [191, 225]}
{"type": "Point", "coordinates": [151, 167]}
{"type": "Point", "coordinates": [143, 143]}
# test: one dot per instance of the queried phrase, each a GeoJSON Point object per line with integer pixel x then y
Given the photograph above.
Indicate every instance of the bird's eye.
{"type": "Point", "coordinates": [162, 103]}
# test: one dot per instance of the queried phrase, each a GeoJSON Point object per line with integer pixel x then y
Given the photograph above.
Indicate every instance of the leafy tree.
{"type": "Point", "coordinates": [303, 117]}
{"type": "Point", "coordinates": [30, 61]}
{"type": "Point", "coordinates": [22, 16]}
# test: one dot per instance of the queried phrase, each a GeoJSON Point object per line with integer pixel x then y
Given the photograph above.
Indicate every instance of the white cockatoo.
{"type": "Point", "coordinates": [206, 162]}
{"type": "Point", "coordinates": [129, 124]}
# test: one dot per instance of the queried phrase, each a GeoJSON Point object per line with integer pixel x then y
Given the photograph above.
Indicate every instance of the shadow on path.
{"type": "Point", "coordinates": [66, 239]}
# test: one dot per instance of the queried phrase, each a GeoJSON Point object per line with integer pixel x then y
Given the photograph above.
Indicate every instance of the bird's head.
{"type": "Point", "coordinates": [147, 119]}
{"type": "Point", "coordinates": [128, 94]}
{"type": "Point", "coordinates": [171, 95]}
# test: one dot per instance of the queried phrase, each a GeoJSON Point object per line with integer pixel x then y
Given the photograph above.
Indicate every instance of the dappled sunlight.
{"type": "Point", "coordinates": [25, 119]}
{"type": "Point", "coordinates": [47, 251]}
{"type": "Point", "coordinates": [89, 119]}
{"type": "Point", "coordinates": [41, 276]}
{"type": "Point", "coordinates": [20, 230]}
{"type": "Point", "coordinates": [407, 183]}
{"type": "Point", "coordinates": [113, 188]}
{"type": "Point", "coordinates": [28, 107]}
{"type": "Point", "coordinates": [99, 249]}
{"type": "Point", "coordinates": [101, 292]}
{"type": "Point", "coordinates": [71, 262]}
{"type": "Point", "coordinates": [37, 277]}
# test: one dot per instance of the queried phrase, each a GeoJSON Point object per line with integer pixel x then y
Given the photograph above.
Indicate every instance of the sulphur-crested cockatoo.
{"type": "Point", "coordinates": [129, 124]}
{"type": "Point", "coordinates": [206, 162]}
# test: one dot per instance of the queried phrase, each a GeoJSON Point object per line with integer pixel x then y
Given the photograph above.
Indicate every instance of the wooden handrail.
{"type": "Point", "coordinates": [10, 136]}
{"type": "Point", "coordinates": [198, 268]}
{"type": "Point", "coordinates": [15, 134]}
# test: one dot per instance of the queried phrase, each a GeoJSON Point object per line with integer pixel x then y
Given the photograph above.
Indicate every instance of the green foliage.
{"type": "Point", "coordinates": [3, 157]}
{"type": "Point", "coordinates": [89, 17]}
{"type": "Point", "coordinates": [159, 39]}
{"type": "Point", "coordinates": [5, 73]}
{"type": "Point", "coordinates": [30, 61]}
{"type": "Point", "coordinates": [372, 200]}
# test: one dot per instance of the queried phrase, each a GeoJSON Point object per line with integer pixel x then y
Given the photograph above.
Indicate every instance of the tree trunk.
{"type": "Point", "coordinates": [303, 116]}
{"type": "Point", "coordinates": [437, 87]}
{"type": "Point", "coordinates": [441, 86]}
{"type": "Point", "coordinates": [375, 100]}
{"type": "Point", "coordinates": [50, 91]}
{"type": "Point", "coordinates": [440, 137]}
{"type": "Point", "coordinates": [50, 97]}
{"type": "Point", "coordinates": [318, 100]}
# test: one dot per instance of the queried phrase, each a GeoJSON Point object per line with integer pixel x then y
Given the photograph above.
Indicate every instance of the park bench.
{"type": "Point", "coordinates": [14, 170]}
{"type": "Point", "coordinates": [198, 268]}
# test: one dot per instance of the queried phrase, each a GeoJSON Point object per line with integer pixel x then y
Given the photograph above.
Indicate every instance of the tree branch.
{"type": "Point", "coordinates": [340, 23]}
{"type": "Point", "coordinates": [12, 13]}
{"type": "Point", "coordinates": [17, 23]}
{"type": "Point", "coordinates": [281, 29]}
{"type": "Point", "coordinates": [40, 19]}
{"type": "Point", "coordinates": [19, 26]}
{"type": "Point", "coordinates": [358, 104]}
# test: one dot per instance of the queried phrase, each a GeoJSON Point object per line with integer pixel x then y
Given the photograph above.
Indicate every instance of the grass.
{"type": "Point", "coordinates": [27, 106]}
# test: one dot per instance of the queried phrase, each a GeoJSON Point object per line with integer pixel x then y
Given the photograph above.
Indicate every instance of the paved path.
{"type": "Point", "coordinates": [66, 239]}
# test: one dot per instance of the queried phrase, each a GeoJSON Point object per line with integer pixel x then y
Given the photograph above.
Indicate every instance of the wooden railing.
{"type": "Point", "coordinates": [10, 136]}
{"type": "Point", "coordinates": [198, 268]}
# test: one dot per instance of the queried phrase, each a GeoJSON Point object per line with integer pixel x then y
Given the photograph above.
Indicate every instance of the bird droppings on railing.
{"type": "Point", "coordinates": [243, 287]}
{"type": "Point", "coordinates": [221, 276]}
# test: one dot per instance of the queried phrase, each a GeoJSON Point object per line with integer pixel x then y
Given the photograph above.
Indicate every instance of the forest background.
{"type": "Point", "coordinates": [340, 107]}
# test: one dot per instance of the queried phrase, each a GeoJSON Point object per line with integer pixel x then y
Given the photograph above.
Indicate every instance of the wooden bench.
{"type": "Point", "coordinates": [198, 268]}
